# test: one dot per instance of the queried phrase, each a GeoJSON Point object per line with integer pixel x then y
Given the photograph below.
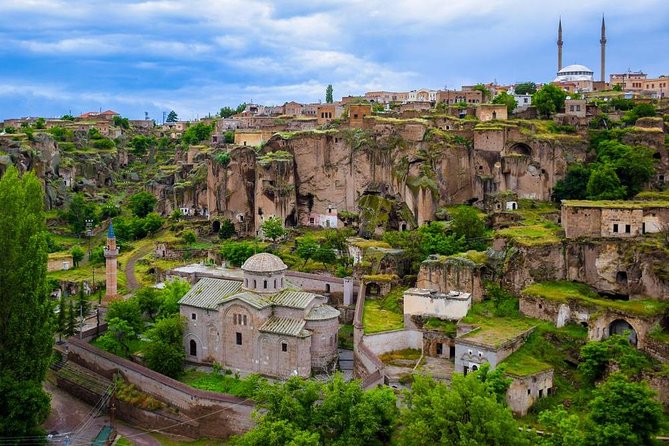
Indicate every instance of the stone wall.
{"type": "Point", "coordinates": [451, 275]}
{"type": "Point", "coordinates": [525, 391]}
{"type": "Point", "coordinates": [389, 341]}
{"type": "Point", "coordinates": [219, 415]}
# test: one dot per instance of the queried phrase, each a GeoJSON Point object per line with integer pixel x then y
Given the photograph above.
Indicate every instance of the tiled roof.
{"type": "Point", "coordinates": [255, 300]}
{"type": "Point", "coordinates": [209, 293]}
{"type": "Point", "coordinates": [293, 299]}
{"type": "Point", "coordinates": [284, 326]}
{"type": "Point", "coordinates": [321, 313]}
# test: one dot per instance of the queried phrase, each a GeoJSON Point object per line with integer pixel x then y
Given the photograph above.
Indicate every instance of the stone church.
{"type": "Point", "coordinates": [260, 324]}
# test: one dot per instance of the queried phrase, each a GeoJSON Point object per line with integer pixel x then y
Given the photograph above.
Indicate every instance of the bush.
{"type": "Point", "coordinates": [188, 237]}
{"type": "Point", "coordinates": [237, 252]}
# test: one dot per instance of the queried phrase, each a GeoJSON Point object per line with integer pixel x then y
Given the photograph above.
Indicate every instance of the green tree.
{"type": "Point", "coordinates": [526, 88]}
{"type": "Point", "coordinates": [71, 327]}
{"type": "Point", "coordinates": [549, 100]}
{"type": "Point", "coordinates": [149, 301]}
{"type": "Point", "coordinates": [273, 229]}
{"type": "Point", "coordinates": [506, 99]}
{"type": "Point", "coordinates": [634, 166]}
{"type": "Point", "coordinates": [118, 121]}
{"type": "Point", "coordinates": [118, 337]}
{"type": "Point", "coordinates": [189, 237]}
{"type": "Point", "coordinates": [639, 111]}
{"type": "Point", "coordinates": [197, 133]}
{"type": "Point", "coordinates": [140, 144]}
{"type": "Point", "coordinates": [485, 93]}
{"type": "Point", "coordinates": [573, 185]}
{"type": "Point", "coordinates": [466, 222]}
{"type": "Point", "coordinates": [174, 290]}
{"type": "Point", "coordinates": [165, 352]}
{"type": "Point", "coordinates": [67, 118]}
{"type": "Point", "coordinates": [237, 252]}
{"type": "Point", "coordinates": [223, 158]}
{"type": "Point", "coordinates": [563, 428]}
{"type": "Point", "coordinates": [26, 314]}
{"type": "Point", "coordinates": [623, 413]}
{"type": "Point", "coordinates": [78, 212]}
{"type": "Point", "coordinates": [152, 223]}
{"type": "Point", "coordinates": [62, 317]}
{"type": "Point", "coordinates": [77, 253]}
{"type": "Point", "coordinates": [40, 123]}
{"type": "Point", "coordinates": [226, 112]}
{"type": "Point", "coordinates": [109, 210]}
{"type": "Point", "coordinates": [83, 305]}
{"type": "Point", "coordinates": [604, 184]}
{"type": "Point", "coordinates": [328, 94]}
{"type": "Point", "coordinates": [128, 311]}
{"type": "Point", "coordinates": [172, 116]}
{"type": "Point", "coordinates": [333, 413]}
{"type": "Point", "coordinates": [142, 203]}
{"type": "Point", "coordinates": [227, 230]}
{"type": "Point", "coordinates": [466, 413]}
{"type": "Point", "coordinates": [278, 433]}
{"type": "Point", "coordinates": [307, 247]}
{"type": "Point", "coordinates": [229, 137]}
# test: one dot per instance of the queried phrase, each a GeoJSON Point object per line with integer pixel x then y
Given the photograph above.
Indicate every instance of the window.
{"type": "Point", "coordinates": [255, 284]}
{"type": "Point", "coordinates": [275, 283]}
{"type": "Point", "coordinates": [440, 348]}
{"type": "Point", "coordinates": [238, 338]}
{"type": "Point", "coordinates": [529, 391]}
{"type": "Point", "coordinates": [244, 321]}
{"type": "Point", "coordinates": [193, 347]}
{"type": "Point", "coordinates": [264, 284]}
{"type": "Point", "coordinates": [628, 229]}
{"type": "Point", "coordinates": [541, 393]}
{"type": "Point", "coordinates": [615, 227]}
{"type": "Point", "coordinates": [284, 347]}
{"type": "Point", "coordinates": [193, 316]}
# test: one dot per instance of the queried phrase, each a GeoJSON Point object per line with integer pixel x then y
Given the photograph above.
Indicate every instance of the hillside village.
{"type": "Point", "coordinates": [389, 235]}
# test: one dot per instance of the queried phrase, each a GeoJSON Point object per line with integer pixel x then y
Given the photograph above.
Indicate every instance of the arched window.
{"type": "Point", "coordinates": [274, 283]}
{"type": "Point", "coordinates": [255, 284]}
{"type": "Point", "coordinates": [193, 347]}
{"type": "Point", "coordinates": [264, 284]}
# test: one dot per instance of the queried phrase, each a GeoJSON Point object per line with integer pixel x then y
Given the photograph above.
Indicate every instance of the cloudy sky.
{"type": "Point", "coordinates": [195, 56]}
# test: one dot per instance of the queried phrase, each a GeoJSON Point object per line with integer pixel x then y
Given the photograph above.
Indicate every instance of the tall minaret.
{"type": "Point", "coordinates": [111, 271]}
{"type": "Point", "coordinates": [602, 42]}
{"type": "Point", "coordinates": [559, 44]}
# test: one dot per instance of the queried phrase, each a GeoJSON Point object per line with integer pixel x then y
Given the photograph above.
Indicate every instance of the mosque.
{"type": "Point", "coordinates": [579, 78]}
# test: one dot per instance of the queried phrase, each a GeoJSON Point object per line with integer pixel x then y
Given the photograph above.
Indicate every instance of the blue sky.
{"type": "Point", "coordinates": [194, 57]}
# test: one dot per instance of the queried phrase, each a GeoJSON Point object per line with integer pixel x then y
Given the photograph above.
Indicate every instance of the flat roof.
{"type": "Point", "coordinates": [616, 204]}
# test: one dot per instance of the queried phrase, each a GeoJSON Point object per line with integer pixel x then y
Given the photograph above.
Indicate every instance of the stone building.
{"type": "Point", "coordinates": [619, 219]}
{"type": "Point", "coordinates": [488, 112]}
{"type": "Point", "coordinates": [452, 306]}
{"type": "Point", "coordinates": [525, 390]}
{"type": "Point", "coordinates": [260, 324]}
{"type": "Point", "coordinates": [483, 345]}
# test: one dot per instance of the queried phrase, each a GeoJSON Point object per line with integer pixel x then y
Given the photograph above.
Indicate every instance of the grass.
{"type": "Point", "coordinates": [376, 319]}
{"type": "Point", "coordinates": [523, 362]}
{"type": "Point", "coordinates": [346, 336]}
{"type": "Point", "coordinates": [564, 291]}
{"type": "Point", "coordinates": [394, 357]}
{"type": "Point", "coordinates": [534, 235]}
{"type": "Point", "coordinates": [122, 441]}
{"type": "Point", "coordinates": [478, 257]}
{"type": "Point", "coordinates": [494, 330]}
{"type": "Point", "coordinates": [436, 324]}
{"type": "Point", "coordinates": [224, 383]}
{"type": "Point", "coordinates": [617, 204]}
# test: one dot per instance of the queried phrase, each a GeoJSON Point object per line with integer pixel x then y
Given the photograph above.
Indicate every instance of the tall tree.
{"type": "Point", "coordinates": [549, 100]}
{"type": "Point", "coordinates": [273, 229]}
{"type": "Point", "coordinates": [328, 94]}
{"type": "Point", "coordinates": [172, 117]}
{"type": "Point", "coordinates": [526, 88]}
{"type": "Point", "coordinates": [506, 99]}
{"type": "Point", "coordinates": [142, 203]}
{"type": "Point", "coordinates": [466, 413]}
{"type": "Point", "coordinates": [26, 315]}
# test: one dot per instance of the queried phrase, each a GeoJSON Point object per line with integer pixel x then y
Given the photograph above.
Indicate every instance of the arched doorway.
{"type": "Point", "coordinates": [372, 289]}
{"type": "Point", "coordinates": [193, 348]}
{"type": "Point", "coordinates": [521, 149]}
{"type": "Point", "coordinates": [216, 226]}
{"type": "Point", "coordinates": [621, 278]}
{"type": "Point", "coordinates": [621, 327]}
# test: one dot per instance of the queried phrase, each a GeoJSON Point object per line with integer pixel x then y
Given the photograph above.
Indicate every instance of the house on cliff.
{"type": "Point", "coordinates": [260, 324]}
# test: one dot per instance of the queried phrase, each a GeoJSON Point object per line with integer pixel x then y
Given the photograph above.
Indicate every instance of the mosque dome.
{"type": "Point", "coordinates": [572, 73]}
{"type": "Point", "coordinates": [264, 263]}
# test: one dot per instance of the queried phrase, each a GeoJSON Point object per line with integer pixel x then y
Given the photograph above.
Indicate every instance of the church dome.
{"type": "Point", "coordinates": [264, 263]}
{"type": "Point", "coordinates": [572, 73]}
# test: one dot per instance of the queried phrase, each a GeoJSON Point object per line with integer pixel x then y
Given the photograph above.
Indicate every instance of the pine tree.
{"type": "Point", "coordinates": [71, 320]}
{"type": "Point", "coordinates": [26, 314]}
{"type": "Point", "coordinates": [328, 94]}
{"type": "Point", "coordinates": [82, 304]}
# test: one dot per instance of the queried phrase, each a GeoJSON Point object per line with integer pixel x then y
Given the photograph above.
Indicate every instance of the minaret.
{"type": "Point", "coordinates": [602, 41]}
{"type": "Point", "coordinates": [111, 271]}
{"type": "Point", "coordinates": [559, 44]}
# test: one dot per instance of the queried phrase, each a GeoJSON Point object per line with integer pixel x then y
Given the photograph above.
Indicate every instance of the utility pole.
{"type": "Point", "coordinates": [89, 233]}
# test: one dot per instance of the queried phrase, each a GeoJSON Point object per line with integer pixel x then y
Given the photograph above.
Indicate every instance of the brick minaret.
{"type": "Point", "coordinates": [111, 271]}
{"type": "Point", "coordinates": [602, 42]}
{"type": "Point", "coordinates": [559, 44]}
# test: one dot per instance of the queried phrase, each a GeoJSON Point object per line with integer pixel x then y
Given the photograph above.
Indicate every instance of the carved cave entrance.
{"type": "Point", "coordinates": [372, 289]}
{"type": "Point", "coordinates": [622, 327]}
{"type": "Point", "coordinates": [521, 149]}
{"type": "Point", "coordinates": [216, 226]}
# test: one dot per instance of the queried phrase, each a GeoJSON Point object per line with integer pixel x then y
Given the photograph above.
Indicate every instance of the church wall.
{"type": "Point", "coordinates": [323, 343]}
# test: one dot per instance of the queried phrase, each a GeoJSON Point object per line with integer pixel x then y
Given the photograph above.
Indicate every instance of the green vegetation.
{"type": "Point", "coordinates": [346, 336]}
{"type": "Point", "coordinates": [448, 327]}
{"type": "Point", "coordinates": [400, 357]}
{"type": "Point", "coordinates": [506, 99]}
{"type": "Point", "coordinates": [311, 413]}
{"type": "Point", "coordinates": [197, 133]}
{"type": "Point", "coordinates": [376, 318]}
{"type": "Point", "coordinates": [549, 100]}
{"type": "Point", "coordinates": [26, 314]}
{"type": "Point", "coordinates": [564, 291]}
{"type": "Point", "coordinates": [533, 235]}
{"type": "Point", "coordinates": [223, 381]}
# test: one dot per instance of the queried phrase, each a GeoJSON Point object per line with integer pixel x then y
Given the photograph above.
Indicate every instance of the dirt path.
{"type": "Point", "coordinates": [131, 280]}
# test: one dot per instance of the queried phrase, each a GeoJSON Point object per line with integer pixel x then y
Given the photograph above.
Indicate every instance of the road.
{"type": "Point", "coordinates": [131, 280]}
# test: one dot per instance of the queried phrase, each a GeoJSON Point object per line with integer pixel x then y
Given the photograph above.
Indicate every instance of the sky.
{"type": "Point", "coordinates": [135, 57]}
